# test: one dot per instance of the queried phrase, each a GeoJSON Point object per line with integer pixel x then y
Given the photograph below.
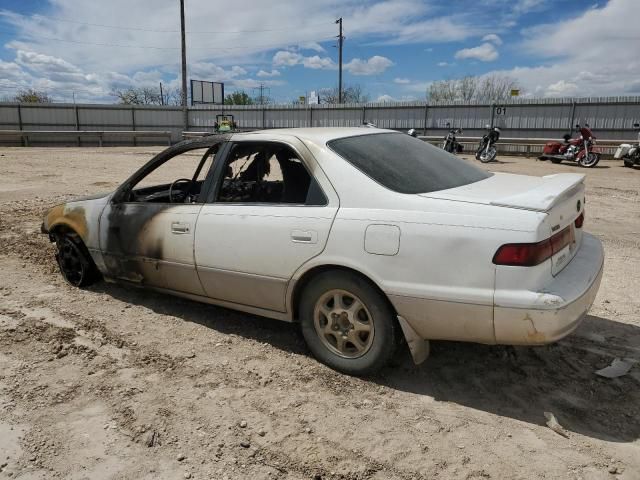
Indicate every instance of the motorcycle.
{"type": "Point", "coordinates": [581, 149]}
{"type": "Point", "coordinates": [487, 151]}
{"type": "Point", "coordinates": [450, 143]}
{"type": "Point", "coordinates": [630, 154]}
{"type": "Point", "coordinates": [413, 133]}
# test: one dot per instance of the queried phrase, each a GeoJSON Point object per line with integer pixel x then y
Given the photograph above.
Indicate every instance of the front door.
{"type": "Point", "coordinates": [270, 213]}
{"type": "Point", "coordinates": [147, 232]}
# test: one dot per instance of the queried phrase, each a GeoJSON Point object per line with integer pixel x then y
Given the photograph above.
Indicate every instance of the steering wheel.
{"type": "Point", "coordinates": [180, 180]}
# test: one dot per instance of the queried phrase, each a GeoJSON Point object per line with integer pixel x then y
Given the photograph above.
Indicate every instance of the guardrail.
{"type": "Point", "coordinates": [99, 134]}
{"type": "Point", "coordinates": [526, 146]}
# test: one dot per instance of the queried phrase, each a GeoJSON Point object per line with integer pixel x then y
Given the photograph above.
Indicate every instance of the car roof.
{"type": "Point", "coordinates": [318, 135]}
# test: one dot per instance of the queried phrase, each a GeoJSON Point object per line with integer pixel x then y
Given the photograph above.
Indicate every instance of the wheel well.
{"type": "Point", "coordinates": [315, 271]}
{"type": "Point", "coordinates": [62, 229]}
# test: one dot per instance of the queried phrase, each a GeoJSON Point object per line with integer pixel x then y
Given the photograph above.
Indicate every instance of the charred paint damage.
{"type": "Point", "coordinates": [124, 233]}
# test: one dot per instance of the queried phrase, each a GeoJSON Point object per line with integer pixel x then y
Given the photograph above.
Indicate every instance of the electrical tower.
{"type": "Point", "coordinates": [261, 99]}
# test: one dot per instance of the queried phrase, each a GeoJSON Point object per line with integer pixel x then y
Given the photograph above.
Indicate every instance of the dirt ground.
{"type": "Point", "coordinates": [114, 383]}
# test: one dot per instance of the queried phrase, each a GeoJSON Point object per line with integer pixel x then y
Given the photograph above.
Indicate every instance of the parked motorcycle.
{"type": "Point", "coordinates": [487, 150]}
{"type": "Point", "coordinates": [413, 132]}
{"type": "Point", "coordinates": [450, 143]}
{"type": "Point", "coordinates": [581, 149]}
{"type": "Point", "coordinates": [630, 154]}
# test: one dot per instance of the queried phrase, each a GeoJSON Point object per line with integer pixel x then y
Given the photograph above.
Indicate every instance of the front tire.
{"type": "Point", "coordinates": [628, 163]}
{"type": "Point", "coordinates": [479, 151]}
{"type": "Point", "coordinates": [589, 160]}
{"type": "Point", "coordinates": [76, 265]}
{"type": "Point", "coordinates": [488, 156]}
{"type": "Point", "coordinates": [347, 323]}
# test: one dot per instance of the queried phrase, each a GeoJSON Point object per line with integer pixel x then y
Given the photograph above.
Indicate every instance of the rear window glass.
{"type": "Point", "coordinates": [405, 164]}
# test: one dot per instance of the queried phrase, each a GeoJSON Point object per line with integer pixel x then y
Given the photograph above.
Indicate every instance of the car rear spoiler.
{"type": "Point", "coordinates": [555, 189]}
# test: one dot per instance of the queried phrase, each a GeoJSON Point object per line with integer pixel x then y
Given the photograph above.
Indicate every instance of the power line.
{"type": "Point", "coordinates": [77, 42]}
{"type": "Point", "coordinates": [141, 29]}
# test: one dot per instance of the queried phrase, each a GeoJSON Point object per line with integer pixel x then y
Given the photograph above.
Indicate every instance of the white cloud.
{"type": "Point", "coordinates": [441, 30]}
{"type": "Point", "coordinates": [246, 31]}
{"type": "Point", "coordinates": [562, 89]}
{"type": "Point", "coordinates": [485, 53]}
{"type": "Point", "coordinates": [272, 73]}
{"type": "Point", "coordinates": [11, 71]}
{"type": "Point", "coordinates": [576, 64]}
{"type": "Point", "coordinates": [316, 63]}
{"type": "Point", "coordinates": [312, 46]}
{"type": "Point", "coordinates": [65, 81]}
{"type": "Point", "coordinates": [147, 38]}
{"type": "Point", "coordinates": [373, 66]}
{"type": "Point", "coordinates": [493, 38]}
{"type": "Point", "coordinates": [401, 81]}
{"type": "Point", "coordinates": [385, 99]}
{"type": "Point", "coordinates": [445, 64]}
{"type": "Point", "coordinates": [215, 73]}
{"type": "Point", "coordinates": [286, 58]}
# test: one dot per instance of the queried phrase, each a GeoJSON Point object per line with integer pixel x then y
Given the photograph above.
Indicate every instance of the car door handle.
{"type": "Point", "coordinates": [179, 228]}
{"type": "Point", "coordinates": [304, 236]}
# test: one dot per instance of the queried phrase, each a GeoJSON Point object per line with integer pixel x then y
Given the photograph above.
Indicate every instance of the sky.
{"type": "Point", "coordinates": [393, 49]}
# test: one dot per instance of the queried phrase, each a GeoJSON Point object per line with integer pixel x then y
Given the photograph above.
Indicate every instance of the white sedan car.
{"type": "Point", "coordinates": [364, 236]}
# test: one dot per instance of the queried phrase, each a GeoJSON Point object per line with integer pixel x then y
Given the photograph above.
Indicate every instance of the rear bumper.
{"type": "Point", "coordinates": [558, 308]}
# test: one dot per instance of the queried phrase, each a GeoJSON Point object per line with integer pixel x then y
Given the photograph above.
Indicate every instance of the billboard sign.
{"type": "Point", "coordinates": [314, 98]}
{"type": "Point", "coordinates": [203, 92]}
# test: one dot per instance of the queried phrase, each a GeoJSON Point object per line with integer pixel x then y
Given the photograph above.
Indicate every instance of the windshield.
{"type": "Point", "coordinates": [405, 164]}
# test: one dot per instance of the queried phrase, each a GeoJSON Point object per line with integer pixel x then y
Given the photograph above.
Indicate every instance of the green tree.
{"type": "Point", "coordinates": [238, 98]}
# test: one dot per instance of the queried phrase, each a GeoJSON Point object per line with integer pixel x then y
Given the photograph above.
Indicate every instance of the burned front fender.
{"type": "Point", "coordinates": [80, 216]}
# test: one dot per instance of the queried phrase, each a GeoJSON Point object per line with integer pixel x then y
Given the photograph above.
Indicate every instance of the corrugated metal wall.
{"type": "Point", "coordinates": [611, 118]}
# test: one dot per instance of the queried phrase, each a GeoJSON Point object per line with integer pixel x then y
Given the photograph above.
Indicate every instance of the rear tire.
{"type": "Point", "coordinates": [347, 323]}
{"type": "Point", "coordinates": [76, 265]}
{"type": "Point", "coordinates": [555, 160]}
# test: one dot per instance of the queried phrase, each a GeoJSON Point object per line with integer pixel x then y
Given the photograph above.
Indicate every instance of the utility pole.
{"type": "Point", "coordinates": [340, 41]}
{"type": "Point", "coordinates": [161, 95]}
{"type": "Point", "coordinates": [185, 112]}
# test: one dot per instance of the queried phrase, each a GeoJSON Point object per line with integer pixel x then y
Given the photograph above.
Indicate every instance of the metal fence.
{"type": "Point", "coordinates": [610, 117]}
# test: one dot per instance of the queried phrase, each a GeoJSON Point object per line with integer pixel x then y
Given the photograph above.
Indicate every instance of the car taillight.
{"type": "Point", "coordinates": [580, 220]}
{"type": "Point", "coordinates": [531, 254]}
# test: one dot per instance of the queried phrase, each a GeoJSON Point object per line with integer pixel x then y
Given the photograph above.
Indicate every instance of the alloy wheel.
{"type": "Point", "coordinates": [343, 323]}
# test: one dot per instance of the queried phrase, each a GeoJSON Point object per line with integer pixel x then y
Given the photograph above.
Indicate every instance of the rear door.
{"type": "Point", "coordinates": [270, 211]}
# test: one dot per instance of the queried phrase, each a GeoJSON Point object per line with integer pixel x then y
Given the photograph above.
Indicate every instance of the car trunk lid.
{"type": "Point", "coordinates": [560, 197]}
